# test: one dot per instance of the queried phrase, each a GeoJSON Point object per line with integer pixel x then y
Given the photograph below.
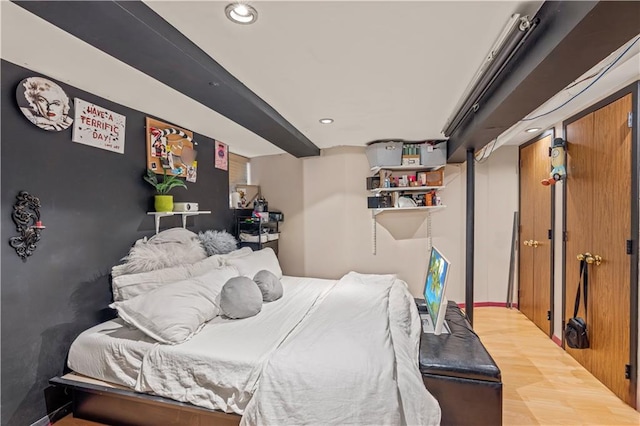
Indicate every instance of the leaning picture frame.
{"type": "Point", "coordinates": [247, 194]}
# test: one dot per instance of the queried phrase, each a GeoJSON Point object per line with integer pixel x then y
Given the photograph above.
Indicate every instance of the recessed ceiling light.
{"type": "Point", "coordinates": [326, 120]}
{"type": "Point", "coordinates": [241, 13]}
{"type": "Point", "coordinates": [533, 130]}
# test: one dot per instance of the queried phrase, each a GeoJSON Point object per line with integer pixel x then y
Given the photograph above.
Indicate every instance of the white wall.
{"type": "Point", "coordinates": [333, 228]}
{"type": "Point", "coordinates": [496, 202]}
{"type": "Point", "coordinates": [282, 185]}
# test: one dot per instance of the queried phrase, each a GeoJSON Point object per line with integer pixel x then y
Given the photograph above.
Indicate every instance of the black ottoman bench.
{"type": "Point", "coordinates": [459, 372]}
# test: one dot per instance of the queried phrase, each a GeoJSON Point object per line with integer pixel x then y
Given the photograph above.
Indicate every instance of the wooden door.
{"type": "Point", "coordinates": [599, 222]}
{"type": "Point", "coordinates": [580, 193]}
{"type": "Point", "coordinates": [534, 277]}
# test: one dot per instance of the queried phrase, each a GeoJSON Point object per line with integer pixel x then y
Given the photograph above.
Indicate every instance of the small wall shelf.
{"type": "Point", "coordinates": [400, 209]}
{"type": "Point", "coordinates": [406, 188]}
{"type": "Point", "coordinates": [158, 215]}
{"type": "Point", "coordinates": [407, 168]}
{"type": "Point", "coordinates": [393, 194]}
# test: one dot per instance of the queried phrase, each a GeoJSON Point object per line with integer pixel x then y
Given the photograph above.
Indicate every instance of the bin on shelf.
{"type": "Point", "coordinates": [433, 155]}
{"type": "Point", "coordinates": [384, 153]}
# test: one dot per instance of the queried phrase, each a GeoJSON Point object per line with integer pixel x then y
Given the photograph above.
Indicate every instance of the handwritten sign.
{"type": "Point", "coordinates": [98, 127]}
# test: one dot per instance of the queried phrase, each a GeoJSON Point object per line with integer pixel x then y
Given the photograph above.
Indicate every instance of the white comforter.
{"type": "Point", "coordinates": [328, 352]}
{"type": "Point", "coordinates": [219, 367]}
{"type": "Point", "coordinates": [353, 361]}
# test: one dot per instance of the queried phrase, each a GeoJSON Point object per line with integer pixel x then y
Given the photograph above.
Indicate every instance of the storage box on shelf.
{"type": "Point", "coordinates": [391, 153]}
{"type": "Point", "coordinates": [433, 153]}
{"type": "Point", "coordinates": [384, 153]}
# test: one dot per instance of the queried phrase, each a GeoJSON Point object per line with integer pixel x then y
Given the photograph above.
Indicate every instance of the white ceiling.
{"type": "Point", "coordinates": [381, 69]}
{"type": "Point", "coordinates": [613, 73]}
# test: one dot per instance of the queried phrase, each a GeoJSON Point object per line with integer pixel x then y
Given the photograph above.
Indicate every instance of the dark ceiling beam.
{"type": "Point", "coordinates": [571, 38]}
{"type": "Point", "coordinates": [133, 33]}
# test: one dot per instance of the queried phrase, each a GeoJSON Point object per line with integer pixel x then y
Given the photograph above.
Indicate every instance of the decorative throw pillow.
{"type": "Point", "coordinates": [131, 285]}
{"type": "Point", "coordinates": [269, 285]}
{"type": "Point", "coordinates": [251, 264]}
{"type": "Point", "coordinates": [218, 242]}
{"type": "Point", "coordinates": [240, 298]}
{"type": "Point", "coordinates": [147, 256]}
{"type": "Point", "coordinates": [175, 312]}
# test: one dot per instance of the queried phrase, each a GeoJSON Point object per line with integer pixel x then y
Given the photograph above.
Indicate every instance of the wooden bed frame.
{"type": "Point", "coordinates": [111, 404]}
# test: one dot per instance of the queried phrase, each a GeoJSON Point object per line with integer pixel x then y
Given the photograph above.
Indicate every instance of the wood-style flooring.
{"type": "Point", "coordinates": [542, 384]}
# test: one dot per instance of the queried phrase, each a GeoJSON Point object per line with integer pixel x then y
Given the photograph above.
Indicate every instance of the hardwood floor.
{"type": "Point", "coordinates": [543, 385]}
{"type": "Point", "coordinates": [70, 421]}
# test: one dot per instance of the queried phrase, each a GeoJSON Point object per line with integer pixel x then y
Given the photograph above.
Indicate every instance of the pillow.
{"type": "Point", "coordinates": [127, 286]}
{"type": "Point", "coordinates": [147, 256]}
{"type": "Point", "coordinates": [251, 264]}
{"type": "Point", "coordinates": [173, 313]}
{"type": "Point", "coordinates": [218, 242]}
{"type": "Point", "coordinates": [240, 298]}
{"type": "Point", "coordinates": [237, 253]}
{"type": "Point", "coordinates": [269, 285]}
{"type": "Point", "coordinates": [173, 235]}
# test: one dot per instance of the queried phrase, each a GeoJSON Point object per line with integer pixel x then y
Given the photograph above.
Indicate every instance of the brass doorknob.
{"type": "Point", "coordinates": [527, 242]}
{"type": "Point", "coordinates": [534, 243]}
{"type": "Point", "coordinates": [590, 258]}
{"type": "Point", "coordinates": [587, 256]}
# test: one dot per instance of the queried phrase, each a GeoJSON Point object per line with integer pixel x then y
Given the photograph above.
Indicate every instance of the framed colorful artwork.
{"type": "Point", "coordinates": [221, 154]}
{"type": "Point", "coordinates": [170, 149]}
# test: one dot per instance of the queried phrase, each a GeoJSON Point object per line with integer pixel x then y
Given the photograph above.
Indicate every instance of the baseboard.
{"type": "Point", "coordinates": [556, 340]}
{"type": "Point", "coordinates": [42, 422]}
{"type": "Point", "coordinates": [489, 304]}
{"type": "Point", "coordinates": [53, 417]}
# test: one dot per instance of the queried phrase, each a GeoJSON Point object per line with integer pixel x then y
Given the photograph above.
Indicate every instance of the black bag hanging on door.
{"type": "Point", "coordinates": [575, 332]}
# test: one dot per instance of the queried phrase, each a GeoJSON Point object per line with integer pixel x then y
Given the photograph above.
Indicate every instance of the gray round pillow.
{"type": "Point", "coordinates": [269, 284]}
{"type": "Point", "coordinates": [240, 298]}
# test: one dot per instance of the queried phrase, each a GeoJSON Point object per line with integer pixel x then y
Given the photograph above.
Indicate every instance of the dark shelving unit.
{"type": "Point", "coordinates": [245, 223]}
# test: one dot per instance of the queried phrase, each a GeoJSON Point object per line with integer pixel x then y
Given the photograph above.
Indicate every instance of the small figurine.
{"type": "Point", "coordinates": [559, 171]}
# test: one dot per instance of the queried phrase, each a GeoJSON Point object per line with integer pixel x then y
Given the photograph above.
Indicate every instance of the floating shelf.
{"type": "Point", "coordinates": [158, 215]}
{"type": "Point", "coordinates": [404, 209]}
{"type": "Point", "coordinates": [407, 188]}
{"type": "Point", "coordinates": [407, 168]}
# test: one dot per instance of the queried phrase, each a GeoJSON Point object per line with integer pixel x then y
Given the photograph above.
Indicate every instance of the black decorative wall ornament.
{"type": "Point", "coordinates": [26, 215]}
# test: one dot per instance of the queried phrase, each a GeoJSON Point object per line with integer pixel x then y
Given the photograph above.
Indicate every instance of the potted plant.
{"type": "Point", "coordinates": [163, 202]}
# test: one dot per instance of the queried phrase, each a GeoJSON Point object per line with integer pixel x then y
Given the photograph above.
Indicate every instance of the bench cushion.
{"type": "Point", "coordinates": [459, 354]}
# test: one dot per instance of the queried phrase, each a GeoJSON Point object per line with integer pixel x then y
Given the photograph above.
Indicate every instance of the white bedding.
{"type": "Point", "coordinates": [341, 352]}
{"type": "Point", "coordinates": [111, 351]}
{"type": "Point", "coordinates": [223, 361]}
{"type": "Point", "coordinates": [352, 361]}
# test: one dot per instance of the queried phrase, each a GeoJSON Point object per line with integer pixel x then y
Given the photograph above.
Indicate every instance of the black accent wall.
{"type": "Point", "coordinates": [94, 205]}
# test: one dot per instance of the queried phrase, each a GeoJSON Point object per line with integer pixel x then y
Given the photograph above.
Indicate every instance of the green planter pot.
{"type": "Point", "coordinates": [163, 203]}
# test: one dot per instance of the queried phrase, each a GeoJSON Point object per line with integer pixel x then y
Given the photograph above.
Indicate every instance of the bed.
{"type": "Point", "coordinates": [327, 352]}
